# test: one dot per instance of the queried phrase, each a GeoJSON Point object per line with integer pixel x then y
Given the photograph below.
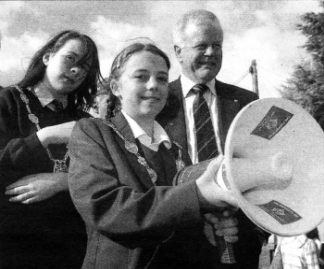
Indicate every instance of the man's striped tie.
{"type": "Point", "coordinates": [207, 149]}
{"type": "Point", "coordinates": [206, 141]}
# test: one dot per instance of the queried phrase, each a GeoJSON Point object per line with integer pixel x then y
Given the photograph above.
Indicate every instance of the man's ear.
{"type": "Point", "coordinates": [46, 57]}
{"type": "Point", "coordinates": [177, 51]}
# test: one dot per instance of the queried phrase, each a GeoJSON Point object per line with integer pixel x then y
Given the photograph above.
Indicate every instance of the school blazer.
{"type": "Point", "coordinates": [130, 222]}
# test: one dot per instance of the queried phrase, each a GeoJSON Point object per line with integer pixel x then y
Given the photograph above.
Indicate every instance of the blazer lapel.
{"type": "Point", "coordinates": [228, 107]}
{"type": "Point", "coordinates": [140, 171]}
{"type": "Point", "coordinates": [176, 127]}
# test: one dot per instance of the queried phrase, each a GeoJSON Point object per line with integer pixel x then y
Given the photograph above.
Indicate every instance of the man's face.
{"type": "Point", "coordinates": [201, 55]}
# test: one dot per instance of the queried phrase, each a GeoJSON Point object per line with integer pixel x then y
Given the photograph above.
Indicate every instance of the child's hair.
{"type": "Point", "coordinates": [117, 69]}
{"type": "Point", "coordinates": [83, 96]}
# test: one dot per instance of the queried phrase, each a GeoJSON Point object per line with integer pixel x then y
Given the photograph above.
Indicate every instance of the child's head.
{"type": "Point", "coordinates": [70, 61]}
{"type": "Point", "coordinates": [139, 72]}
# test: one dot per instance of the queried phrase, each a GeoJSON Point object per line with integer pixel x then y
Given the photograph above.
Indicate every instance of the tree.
{"type": "Point", "coordinates": [306, 87]}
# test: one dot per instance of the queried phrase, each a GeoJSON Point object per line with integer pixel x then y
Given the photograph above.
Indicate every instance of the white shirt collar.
{"type": "Point", "coordinates": [45, 97]}
{"type": "Point", "coordinates": [159, 134]}
{"type": "Point", "coordinates": [187, 85]}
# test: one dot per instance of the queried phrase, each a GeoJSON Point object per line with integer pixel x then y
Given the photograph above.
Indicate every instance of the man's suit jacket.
{"type": "Point", "coordinates": [230, 100]}
{"type": "Point", "coordinates": [130, 222]}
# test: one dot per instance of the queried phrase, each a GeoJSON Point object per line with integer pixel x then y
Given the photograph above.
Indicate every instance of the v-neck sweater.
{"type": "Point", "coordinates": [22, 154]}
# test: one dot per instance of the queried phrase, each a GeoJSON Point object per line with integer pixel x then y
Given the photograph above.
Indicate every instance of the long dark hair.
{"type": "Point", "coordinates": [117, 66]}
{"type": "Point", "coordinates": [83, 96]}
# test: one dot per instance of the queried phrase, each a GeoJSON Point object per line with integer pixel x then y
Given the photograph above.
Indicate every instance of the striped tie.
{"type": "Point", "coordinates": [206, 141]}
{"type": "Point", "coordinates": [58, 106]}
{"type": "Point", "coordinates": [207, 149]}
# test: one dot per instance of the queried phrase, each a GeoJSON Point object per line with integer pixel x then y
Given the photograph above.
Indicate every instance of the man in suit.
{"type": "Point", "coordinates": [198, 39]}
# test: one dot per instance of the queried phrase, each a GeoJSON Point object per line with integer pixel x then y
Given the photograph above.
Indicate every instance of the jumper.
{"type": "Point", "coordinates": [50, 233]}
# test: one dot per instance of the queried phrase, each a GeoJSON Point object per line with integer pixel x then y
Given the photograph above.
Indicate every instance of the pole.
{"type": "Point", "coordinates": [254, 72]}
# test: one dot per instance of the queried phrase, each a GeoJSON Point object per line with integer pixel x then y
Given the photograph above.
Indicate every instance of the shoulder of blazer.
{"type": "Point", "coordinates": [233, 92]}
{"type": "Point", "coordinates": [175, 88]}
{"type": "Point", "coordinates": [94, 127]}
{"type": "Point", "coordinates": [223, 89]}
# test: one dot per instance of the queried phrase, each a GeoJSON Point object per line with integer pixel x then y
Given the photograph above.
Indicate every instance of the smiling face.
{"type": "Point", "coordinates": [63, 73]}
{"type": "Point", "coordinates": [142, 86]}
{"type": "Point", "coordinates": [201, 55]}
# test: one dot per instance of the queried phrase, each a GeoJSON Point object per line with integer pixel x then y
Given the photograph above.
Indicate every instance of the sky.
{"type": "Point", "coordinates": [264, 31]}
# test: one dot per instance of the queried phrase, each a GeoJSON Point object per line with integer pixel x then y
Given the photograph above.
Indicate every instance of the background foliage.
{"type": "Point", "coordinates": [306, 86]}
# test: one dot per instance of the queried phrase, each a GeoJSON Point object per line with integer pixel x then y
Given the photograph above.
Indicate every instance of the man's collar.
{"type": "Point", "coordinates": [187, 85]}
{"type": "Point", "coordinates": [46, 97]}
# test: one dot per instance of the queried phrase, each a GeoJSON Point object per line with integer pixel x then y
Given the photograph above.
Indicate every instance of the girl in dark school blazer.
{"type": "Point", "coordinates": [121, 175]}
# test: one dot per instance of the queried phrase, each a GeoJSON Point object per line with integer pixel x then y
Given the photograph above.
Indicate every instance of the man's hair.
{"type": "Point", "coordinates": [196, 16]}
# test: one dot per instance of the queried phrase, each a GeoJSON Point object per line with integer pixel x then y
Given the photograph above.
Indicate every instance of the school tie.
{"type": "Point", "coordinates": [57, 105]}
{"type": "Point", "coordinates": [206, 141]}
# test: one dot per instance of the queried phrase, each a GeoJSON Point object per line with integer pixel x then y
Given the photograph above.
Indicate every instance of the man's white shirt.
{"type": "Point", "coordinates": [188, 101]}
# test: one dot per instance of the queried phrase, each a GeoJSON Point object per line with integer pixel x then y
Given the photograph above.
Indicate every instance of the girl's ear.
{"type": "Point", "coordinates": [46, 58]}
{"type": "Point", "coordinates": [178, 54]}
{"type": "Point", "coordinates": [115, 88]}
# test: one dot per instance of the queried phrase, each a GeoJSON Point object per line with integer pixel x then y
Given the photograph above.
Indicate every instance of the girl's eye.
{"type": "Point", "coordinates": [140, 77]}
{"type": "Point", "coordinates": [163, 79]}
{"type": "Point", "coordinates": [70, 58]}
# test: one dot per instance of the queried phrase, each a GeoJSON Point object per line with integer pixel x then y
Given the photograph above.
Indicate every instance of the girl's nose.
{"type": "Point", "coordinates": [78, 70]}
{"type": "Point", "coordinates": [152, 84]}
